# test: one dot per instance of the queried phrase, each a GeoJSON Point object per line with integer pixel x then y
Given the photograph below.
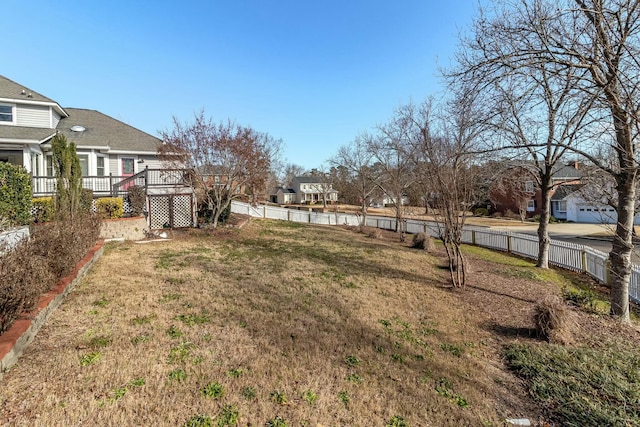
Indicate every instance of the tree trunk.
{"type": "Point", "coordinates": [398, 214]}
{"type": "Point", "coordinates": [364, 213]}
{"type": "Point", "coordinates": [620, 255]}
{"type": "Point", "coordinates": [543, 227]}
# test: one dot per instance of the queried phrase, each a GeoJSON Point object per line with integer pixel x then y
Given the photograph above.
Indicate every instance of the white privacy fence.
{"type": "Point", "coordinates": [567, 255]}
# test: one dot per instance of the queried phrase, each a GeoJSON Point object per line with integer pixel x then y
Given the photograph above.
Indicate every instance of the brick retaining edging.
{"type": "Point", "coordinates": [17, 338]}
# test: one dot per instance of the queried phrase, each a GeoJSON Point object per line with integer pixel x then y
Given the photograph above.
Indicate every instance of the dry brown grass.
{"type": "Point", "coordinates": [274, 306]}
{"type": "Point", "coordinates": [554, 321]}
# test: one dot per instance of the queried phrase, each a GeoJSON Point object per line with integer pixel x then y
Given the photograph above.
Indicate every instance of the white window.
{"type": "Point", "coordinates": [48, 160]}
{"type": "Point", "coordinates": [7, 114]}
{"type": "Point", "coordinates": [84, 164]}
{"type": "Point", "coordinates": [562, 206]}
{"type": "Point", "coordinates": [531, 205]}
{"type": "Point", "coordinates": [100, 166]}
{"type": "Point", "coordinates": [529, 187]}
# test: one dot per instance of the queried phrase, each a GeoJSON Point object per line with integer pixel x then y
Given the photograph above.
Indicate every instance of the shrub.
{"type": "Point", "coordinates": [553, 321]}
{"type": "Point", "coordinates": [481, 212]}
{"type": "Point", "coordinates": [137, 199]}
{"type": "Point", "coordinates": [110, 207]}
{"type": "Point", "coordinates": [423, 241]}
{"type": "Point", "coordinates": [207, 214]}
{"type": "Point", "coordinates": [372, 232]}
{"type": "Point", "coordinates": [24, 278]}
{"type": "Point", "coordinates": [43, 209]}
{"type": "Point", "coordinates": [35, 265]}
{"type": "Point", "coordinates": [64, 243]}
{"type": "Point", "coordinates": [86, 199]}
{"type": "Point", "coordinates": [15, 194]}
{"type": "Point", "coordinates": [511, 215]}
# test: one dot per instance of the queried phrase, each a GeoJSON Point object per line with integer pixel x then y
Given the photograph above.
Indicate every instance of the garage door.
{"type": "Point", "coordinates": [596, 214]}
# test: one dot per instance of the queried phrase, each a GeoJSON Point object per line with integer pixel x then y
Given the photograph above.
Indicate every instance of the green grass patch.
{"type": "Point", "coordinates": [193, 319]}
{"type": "Point", "coordinates": [90, 358]}
{"type": "Point", "coordinates": [518, 267]}
{"type": "Point", "coordinates": [213, 390]}
{"type": "Point", "coordinates": [582, 386]}
{"type": "Point", "coordinates": [178, 375]}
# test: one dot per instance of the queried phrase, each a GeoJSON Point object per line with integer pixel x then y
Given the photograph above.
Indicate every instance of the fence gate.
{"type": "Point", "coordinates": [171, 211]}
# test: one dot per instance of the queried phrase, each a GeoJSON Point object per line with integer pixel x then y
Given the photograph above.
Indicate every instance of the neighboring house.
{"type": "Point", "coordinates": [384, 200]}
{"type": "Point", "coordinates": [306, 189]}
{"type": "Point", "coordinates": [580, 203]}
{"type": "Point", "coordinates": [517, 189]}
{"type": "Point", "coordinates": [219, 176]}
{"type": "Point", "coordinates": [284, 196]}
{"type": "Point", "coordinates": [106, 146]}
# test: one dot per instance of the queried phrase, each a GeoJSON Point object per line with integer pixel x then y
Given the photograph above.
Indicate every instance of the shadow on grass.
{"type": "Point", "coordinates": [502, 294]}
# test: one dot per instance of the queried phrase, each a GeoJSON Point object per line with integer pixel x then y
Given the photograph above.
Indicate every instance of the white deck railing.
{"type": "Point", "coordinates": [571, 256]}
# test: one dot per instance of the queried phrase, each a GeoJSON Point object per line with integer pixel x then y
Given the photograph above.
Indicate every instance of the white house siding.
{"type": "Point", "coordinates": [114, 164]}
{"type": "Point", "coordinates": [33, 116]}
{"type": "Point", "coordinates": [55, 119]}
{"type": "Point", "coordinates": [151, 162]}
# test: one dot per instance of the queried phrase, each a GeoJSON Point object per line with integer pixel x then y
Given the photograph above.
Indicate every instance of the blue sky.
{"type": "Point", "coordinates": [313, 73]}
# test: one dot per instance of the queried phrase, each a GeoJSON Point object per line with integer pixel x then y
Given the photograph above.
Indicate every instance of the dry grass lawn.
{"type": "Point", "coordinates": [317, 326]}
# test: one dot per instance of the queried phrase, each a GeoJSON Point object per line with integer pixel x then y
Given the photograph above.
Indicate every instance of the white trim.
{"type": "Point", "coordinates": [132, 153]}
{"type": "Point", "coordinates": [78, 147]}
{"type": "Point", "coordinates": [105, 164]}
{"type": "Point", "coordinates": [32, 102]}
{"type": "Point", "coordinates": [14, 120]}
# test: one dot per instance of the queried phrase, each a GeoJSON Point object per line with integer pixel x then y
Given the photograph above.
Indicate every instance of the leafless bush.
{"type": "Point", "coordinates": [372, 232]}
{"type": "Point", "coordinates": [137, 199]}
{"type": "Point", "coordinates": [24, 277]}
{"type": "Point", "coordinates": [554, 321]}
{"type": "Point", "coordinates": [423, 241]}
{"type": "Point", "coordinates": [35, 266]}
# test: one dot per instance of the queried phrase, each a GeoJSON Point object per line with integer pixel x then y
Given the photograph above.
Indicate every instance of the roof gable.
{"type": "Point", "coordinates": [18, 93]}
{"type": "Point", "coordinates": [563, 191]}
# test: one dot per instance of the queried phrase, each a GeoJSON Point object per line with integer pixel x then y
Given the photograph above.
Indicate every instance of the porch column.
{"type": "Point", "coordinates": [26, 160]}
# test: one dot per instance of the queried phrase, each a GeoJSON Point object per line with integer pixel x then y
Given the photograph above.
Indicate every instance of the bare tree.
{"type": "Point", "coordinates": [357, 159]}
{"type": "Point", "coordinates": [596, 43]}
{"type": "Point", "coordinates": [260, 168]}
{"type": "Point", "coordinates": [290, 171]}
{"type": "Point", "coordinates": [533, 106]}
{"type": "Point", "coordinates": [446, 145]}
{"type": "Point", "coordinates": [224, 159]}
{"type": "Point", "coordinates": [391, 154]}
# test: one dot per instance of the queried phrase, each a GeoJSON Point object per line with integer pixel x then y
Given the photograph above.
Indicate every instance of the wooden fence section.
{"type": "Point", "coordinates": [567, 255]}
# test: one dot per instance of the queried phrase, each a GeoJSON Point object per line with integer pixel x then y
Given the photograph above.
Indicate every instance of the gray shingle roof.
{"type": "Point", "coordinates": [308, 179]}
{"type": "Point", "coordinates": [564, 190]}
{"type": "Point", "coordinates": [23, 133]}
{"type": "Point", "coordinates": [566, 171]}
{"type": "Point", "coordinates": [13, 90]}
{"type": "Point", "coordinates": [105, 131]}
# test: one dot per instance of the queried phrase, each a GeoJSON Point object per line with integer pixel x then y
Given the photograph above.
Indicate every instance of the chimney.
{"type": "Point", "coordinates": [576, 164]}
